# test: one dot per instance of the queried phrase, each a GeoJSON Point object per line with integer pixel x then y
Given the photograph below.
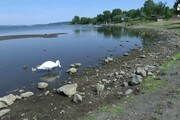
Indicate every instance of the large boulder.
{"type": "Point", "coordinates": [137, 79]}
{"type": "Point", "coordinates": [42, 85]}
{"type": "Point", "coordinates": [141, 71]}
{"type": "Point", "coordinates": [9, 99]}
{"type": "Point", "coordinates": [68, 90]}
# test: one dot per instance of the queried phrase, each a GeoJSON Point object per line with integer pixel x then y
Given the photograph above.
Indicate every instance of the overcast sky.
{"type": "Point", "coordinates": [26, 12]}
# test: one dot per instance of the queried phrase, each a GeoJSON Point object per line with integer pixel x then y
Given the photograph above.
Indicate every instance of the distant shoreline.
{"type": "Point", "coordinates": [9, 37]}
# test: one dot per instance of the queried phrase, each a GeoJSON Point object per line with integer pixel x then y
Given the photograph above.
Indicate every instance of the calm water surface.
{"type": "Point", "coordinates": [84, 44]}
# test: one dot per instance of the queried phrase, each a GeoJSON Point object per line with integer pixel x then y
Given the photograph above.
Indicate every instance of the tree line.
{"type": "Point", "coordinates": [150, 11]}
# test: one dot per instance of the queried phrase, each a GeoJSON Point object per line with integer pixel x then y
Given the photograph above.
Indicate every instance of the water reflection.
{"type": "Point", "coordinates": [50, 77]}
{"type": "Point", "coordinates": [116, 32]}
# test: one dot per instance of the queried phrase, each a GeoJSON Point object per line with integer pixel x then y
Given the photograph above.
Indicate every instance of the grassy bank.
{"type": "Point", "coordinates": [171, 25]}
{"type": "Point", "coordinates": [150, 84]}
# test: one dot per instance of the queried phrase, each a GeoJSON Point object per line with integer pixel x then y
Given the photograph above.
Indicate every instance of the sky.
{"type": "Point", "coordinates": [28, 12]}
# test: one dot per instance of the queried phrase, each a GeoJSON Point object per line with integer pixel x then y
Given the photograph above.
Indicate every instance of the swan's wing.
{"type": "Point", "coordinates": [48, 64]}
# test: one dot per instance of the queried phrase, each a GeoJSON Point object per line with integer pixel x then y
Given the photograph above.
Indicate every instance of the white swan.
{"type": "Point", "coordinates": [48, 65]}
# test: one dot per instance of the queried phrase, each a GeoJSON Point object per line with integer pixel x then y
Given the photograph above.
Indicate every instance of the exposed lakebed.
{"type": "Point", "coordinates": [83, 44]}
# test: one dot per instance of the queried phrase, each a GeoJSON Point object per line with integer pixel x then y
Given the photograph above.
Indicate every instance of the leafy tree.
{"type": "Point", "coordinates": [117, 18]}
{"type": "Point", "coordinates": [168, 13]}
{"type": "Point", "coordinates": [160, 8]}
{"type": "Point", "coordinates": [84, 20]}
{"type": "Point", "coordinates": [100, 18]}
{"type": "Point", "coordinates": [149, 8]}
{"type": "Point", "coordinates": [132, 13]}
{"type": "Point", "coordinates": [76, 20]}
{"type": "Point", "coordinates": [107, 16]}
{"type": "Point", "coordinates": [93, 20]}
{"type": "Point", "coordinates": [116, 12]}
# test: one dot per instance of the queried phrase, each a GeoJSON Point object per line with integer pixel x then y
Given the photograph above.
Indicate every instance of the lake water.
{"type": "Point", "coordinates": [84, 44]}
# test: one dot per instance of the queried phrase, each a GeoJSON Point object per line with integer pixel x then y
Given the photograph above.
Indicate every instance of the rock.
{"type": "Point", "coordinates": [126, 54]}
{"type": "Point", "coordinates": [68, 90]}
{"type": "Point", "coordinates": [27, 94]}
{"type": "Point", "coordinates": [141, 71]}
{"type": "Point", "coordinates": [4, 111]}
{"type": "Point", "coordinates": [75, 65]}
{"type": "Point", "coordinates": [99, 88]}
{"type": "Point", "coordinates": [2, 105]}
{"type": "Point", "coordinates": [142, 56]}
{"type": "Point", "coordinates": [125, 84]}
{"type": "Point", "coordinates": [72, 70]}
{"type": "Point", "coordinates": [119, 76]}
{"type": "Point", "coordinates": [150, 68]}
{"type": "Point", "coordinates": [109, 59]}
{"type": "Point", "coordinates": [72, 66]}
{"type": "Point", "coordinates": [18, 97]}
{"type": "Point", "coordinates": [150, 73]}
{"type": "Point", "coordinates": [42, 85]}
{"type": "Point", "coordinates": [9, 99]}
{"type": "Point", "coordinates": [106, 61]}
{"type": "Point", "coordinates": [21, 90]}
{"type": "Point", "coordinates": [47, 92]}
{"type": "Point", "coordinates": [137, 79]}
{"type": "Point", "coordinates": [77, 98]}
{"type": "Point", "coordinates": [129, 91]}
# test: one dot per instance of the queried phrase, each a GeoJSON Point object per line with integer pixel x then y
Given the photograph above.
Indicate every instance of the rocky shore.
{"type": "Point", "coordinates": [97, 86]}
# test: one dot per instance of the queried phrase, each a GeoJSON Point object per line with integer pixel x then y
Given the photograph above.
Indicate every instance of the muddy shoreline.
{"type": "Point", "coordinates": [9, 37]}
{"type": "Point", "coordinates": [55, 106]}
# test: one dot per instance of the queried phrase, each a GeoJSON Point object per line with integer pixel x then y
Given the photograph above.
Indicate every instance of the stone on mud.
{"type": "Point", "coordinates": [4, 111]}
{"type": "Point", "coordinates": [77, 98]}
{"type": "Point", "coordinates": [68, 90]}
{"type": "Point", "coordinates": [99, 88]}
{"type": "Point", "coordinates": [2, 105]}
{"type": "Point", "coordinates": [137, 79]}
{"type": "Point", "coordinates": [72, 70]}
{"type": "Point", "coordinates": [9, 99]}
{"type": "Point", "coordinates": [141, 71]}
{"type": "Point", "coordinates": [27, 94]}
{"type": "Point", "coordinates": [42, 85]}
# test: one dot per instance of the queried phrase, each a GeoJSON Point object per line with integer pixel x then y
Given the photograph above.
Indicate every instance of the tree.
{"type": "Point", "coordinates": [93, 20]}
{"type": "Point", "coordinates": [117, 18]}
{"type": "Point", "coordinates": [167, 13]}
{"type": "Point", "coordinates": [100, 18]}
{"type": "Point", "coordinates": [84, 20]}
{"type": "Point", "coordinates": [76, 20]}
{"type": "Point", "coordinates": [116, 12]}
{"type": "Point", "coordinates": [107, 16]}
{"type": "Point", "coordinates": [160, 8]}
{"type": "Point", "coordinates": [149, 8]}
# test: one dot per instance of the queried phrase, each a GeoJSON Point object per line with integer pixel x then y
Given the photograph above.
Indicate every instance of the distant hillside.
{"type": "Point", "coordinates": [56, 23]}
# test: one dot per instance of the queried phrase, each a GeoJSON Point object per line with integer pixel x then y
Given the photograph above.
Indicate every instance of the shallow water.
{"type": "Point", "coordinates": [84, 44]}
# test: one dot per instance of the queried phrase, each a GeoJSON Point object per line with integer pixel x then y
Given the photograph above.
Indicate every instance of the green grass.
{"type": "Point", "coordinates": [114, 110]}
{"type": "Point", "coordinates": [167, 65]}
{"type": "Point", "coordinates": [150, 84]}
{"type": "Point", "coordinates": [178, 32]}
